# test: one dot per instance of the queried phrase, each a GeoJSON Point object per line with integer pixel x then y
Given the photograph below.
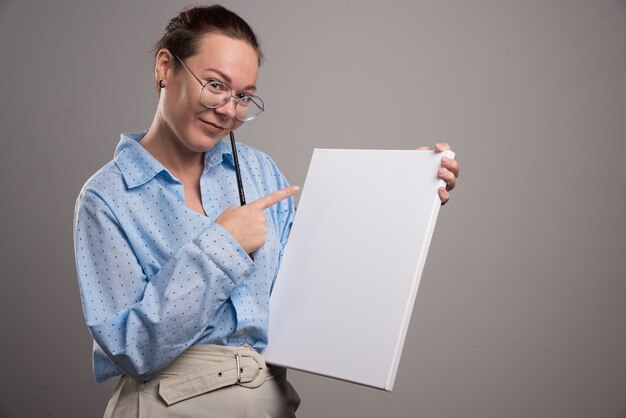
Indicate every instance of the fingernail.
{"type": "Point", "coordinates": [441, 172]}
{"type": "Point", "coordinates": [444, 160]}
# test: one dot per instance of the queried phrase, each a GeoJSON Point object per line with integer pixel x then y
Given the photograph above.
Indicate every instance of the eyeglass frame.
{"type": "Point", "coordinates": [237, 99]}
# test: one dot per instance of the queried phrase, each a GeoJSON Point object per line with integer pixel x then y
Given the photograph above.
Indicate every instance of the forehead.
{"type": "Point", "coordinates": [234, 58]}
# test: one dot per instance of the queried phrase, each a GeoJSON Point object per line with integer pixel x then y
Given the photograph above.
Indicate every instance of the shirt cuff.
{"type": "Point", "coordinates": [217, 243]}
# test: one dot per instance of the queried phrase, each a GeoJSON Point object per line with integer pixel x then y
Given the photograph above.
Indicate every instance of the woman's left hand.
{"type": "Point", "coordinates": [449, 172]}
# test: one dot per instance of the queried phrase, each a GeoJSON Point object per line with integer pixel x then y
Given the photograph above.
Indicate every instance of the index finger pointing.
{"type": "Point", "coordinates": [275, 197]}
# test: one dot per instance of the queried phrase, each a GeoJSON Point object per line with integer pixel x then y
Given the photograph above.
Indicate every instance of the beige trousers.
{"type": "Point", "coordinates": [274, 398]}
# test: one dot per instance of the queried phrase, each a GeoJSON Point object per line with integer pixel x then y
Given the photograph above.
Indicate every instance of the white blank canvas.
{"type": "Point", "coordinates": [345, 290]}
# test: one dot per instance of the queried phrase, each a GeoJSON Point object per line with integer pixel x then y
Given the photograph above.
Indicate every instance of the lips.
{"type": "Point", "coordinates": [212, 126]}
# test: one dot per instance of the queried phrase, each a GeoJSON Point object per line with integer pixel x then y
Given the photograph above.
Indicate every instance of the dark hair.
{"type": "Point", "coordinates": [183, 33]}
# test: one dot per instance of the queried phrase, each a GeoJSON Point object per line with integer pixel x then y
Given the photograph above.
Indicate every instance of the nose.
{"type": "Point", "coordinates": [228, 110]}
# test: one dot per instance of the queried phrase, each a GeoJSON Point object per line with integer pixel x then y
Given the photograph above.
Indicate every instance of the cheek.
{"type": "Point", "coordinates": [185, 97]}
{"type": "Point", "coordinates": [180, 107]}
{"type": "Point", "coordinates": [181, 101]}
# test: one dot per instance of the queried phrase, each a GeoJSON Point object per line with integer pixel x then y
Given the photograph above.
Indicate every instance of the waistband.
{"type": "Point", "coordinates": [204, 368]}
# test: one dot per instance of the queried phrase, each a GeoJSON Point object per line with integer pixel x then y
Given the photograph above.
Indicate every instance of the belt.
{"type": "Point", "coordinates": [246, 368]}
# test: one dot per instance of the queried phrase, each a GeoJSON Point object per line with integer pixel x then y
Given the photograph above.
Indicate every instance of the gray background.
{"type": "Point", "coordinates": [521, 309]}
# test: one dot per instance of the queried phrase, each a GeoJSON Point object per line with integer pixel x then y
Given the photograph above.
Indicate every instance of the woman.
{"type": "Point", "coordinates": [175, 276]}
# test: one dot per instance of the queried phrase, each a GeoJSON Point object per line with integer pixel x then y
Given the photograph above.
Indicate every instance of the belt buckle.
{"type": "Point", "coordinates": [238, 368]}
{"type": "Point", "coordinates": [260, 376]}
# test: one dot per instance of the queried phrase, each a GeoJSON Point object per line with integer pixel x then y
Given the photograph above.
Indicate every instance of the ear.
{"type": "Point", "coordinates": [164, 66]}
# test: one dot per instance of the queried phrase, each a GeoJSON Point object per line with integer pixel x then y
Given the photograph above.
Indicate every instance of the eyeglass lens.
{"type": "Point", "coordinates": [215, 94]}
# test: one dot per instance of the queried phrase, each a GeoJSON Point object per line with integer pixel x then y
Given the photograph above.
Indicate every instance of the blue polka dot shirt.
{"type": "Point", "coordinates": [156, 277]}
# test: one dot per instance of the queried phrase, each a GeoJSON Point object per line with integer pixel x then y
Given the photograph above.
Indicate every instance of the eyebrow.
{"type": "Point", "coordinates": [229, 80]}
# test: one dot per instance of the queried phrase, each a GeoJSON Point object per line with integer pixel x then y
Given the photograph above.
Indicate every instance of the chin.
{"type": "Point", "coordinates": [204, 142]}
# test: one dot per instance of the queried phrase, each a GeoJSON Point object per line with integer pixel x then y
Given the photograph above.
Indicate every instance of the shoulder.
{"type": "Point", "coordinates": [131, 166]}
{"type": "Point", "coordinates": [263, 172]}
{"type": "Point", "coordinates": [258, 158]}
{"type": "Point", "coordinates": [104, 184]}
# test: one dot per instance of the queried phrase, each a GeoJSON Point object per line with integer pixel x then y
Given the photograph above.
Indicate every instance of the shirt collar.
{"type": "Point", "coordinates": [219, 153]}
{"type": "Point", "coordinates": [138, 166]}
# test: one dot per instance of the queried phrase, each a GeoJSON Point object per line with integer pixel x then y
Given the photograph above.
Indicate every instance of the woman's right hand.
{"type": "Point", "coordinates": [246, 223]}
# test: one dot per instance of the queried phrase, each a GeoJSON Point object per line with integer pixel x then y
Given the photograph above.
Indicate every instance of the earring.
{"type": "Point", "coordinates": [161, 85]}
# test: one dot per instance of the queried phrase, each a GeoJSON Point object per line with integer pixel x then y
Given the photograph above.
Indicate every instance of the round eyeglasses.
{"type": "Point", "coordinates": [214, 94]}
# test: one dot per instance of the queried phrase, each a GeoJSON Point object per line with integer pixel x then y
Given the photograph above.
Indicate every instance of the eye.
{"type": "Point", "coordinates": [216, 86]}
{"type": "Point", "coordinates": [244, 99]}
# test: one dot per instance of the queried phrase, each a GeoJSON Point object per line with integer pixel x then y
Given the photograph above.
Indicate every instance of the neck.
{"type": "Point", "coordinates": [165, 146]}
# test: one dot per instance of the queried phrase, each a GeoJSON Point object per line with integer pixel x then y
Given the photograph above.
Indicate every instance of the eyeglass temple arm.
{"type": "Point", "coordinates": [190, 72]}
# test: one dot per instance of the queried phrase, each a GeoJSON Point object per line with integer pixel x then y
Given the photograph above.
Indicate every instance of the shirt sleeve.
{"type": "Point", "coordinates": [142, 323]}
{"type": "Point", "coordinates": [286, 212]}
